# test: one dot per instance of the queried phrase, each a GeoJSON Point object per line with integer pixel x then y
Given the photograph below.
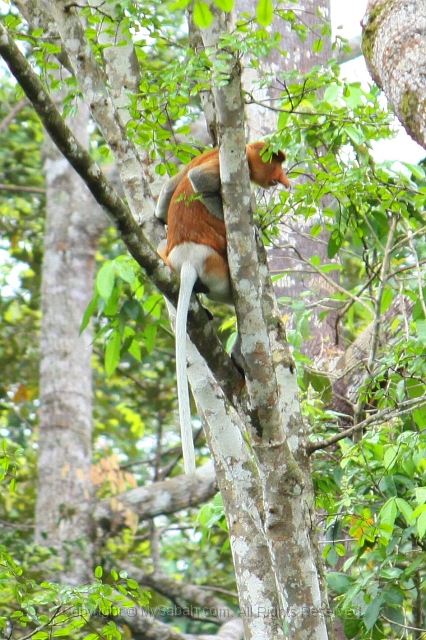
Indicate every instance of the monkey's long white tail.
{"type": "Point", "coordinates": [188, 278]}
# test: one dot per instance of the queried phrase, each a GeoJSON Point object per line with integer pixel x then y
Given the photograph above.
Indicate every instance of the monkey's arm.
{"type": "Point", "coordinates": [166, 194]}
{"type": "Point", "coordinates": [205, 180]}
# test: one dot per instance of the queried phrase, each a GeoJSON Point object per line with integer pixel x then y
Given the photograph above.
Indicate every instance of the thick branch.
{"type": "Point", "coordinates": [390, 413]}
{"type": "Point", "coordinates": [168, 496]}
{"type": "Point", "coordinates": [92, 83]}
{"type": "Point", "coordinates": [38, 17]}
{"type": "Point", "coordinates": [242, 254]}
{"type": "Point", "coordinates": [354, 45]}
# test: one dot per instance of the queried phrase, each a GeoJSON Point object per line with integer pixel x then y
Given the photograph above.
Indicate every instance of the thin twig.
{"type": "Point", "coordinates": [12, 187]}
{"type": "Point", "coordinates": [330, 281]}
{"type": "Point", "coordinates": [12, 113]}
{"type": "Point", "coordinates": [386, 414]}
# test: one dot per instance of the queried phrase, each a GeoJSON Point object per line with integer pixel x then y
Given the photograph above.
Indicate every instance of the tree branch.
{"type": "Point", "coordinates": [12, 113]}
{"type": "Point", "coordinates": [167, 496]}
{"type": "Point", "coordinates": [385, 414]}
{"type": "Point", "coordinates": [199, 328]}
{"type": "Point", "coordinates": [14, 187]}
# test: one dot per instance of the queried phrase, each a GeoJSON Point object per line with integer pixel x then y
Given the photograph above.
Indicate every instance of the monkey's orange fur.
{"type": "Point", "coordinates": [198, 236]}
{"type": "Point", "coordinates": [191, 204]}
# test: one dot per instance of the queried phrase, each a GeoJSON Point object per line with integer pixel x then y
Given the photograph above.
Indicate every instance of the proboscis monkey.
{"type": "Point", "coordinates": [191, 205]}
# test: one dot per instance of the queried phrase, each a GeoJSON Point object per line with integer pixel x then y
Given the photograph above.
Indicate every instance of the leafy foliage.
{"type": "Point", "coordinates": [65, 611]}
{"type": "Point", "coordinates": [370, 484]}
{"type": "Point", "coordinates": [374, 489]}
{"type": "Point", "coordinates": [378, 495]}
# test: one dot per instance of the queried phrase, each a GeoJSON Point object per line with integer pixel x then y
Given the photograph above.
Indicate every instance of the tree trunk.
{"type": "Point", "coordinates": [280, 477]}
{"type": "Point", "coordinates": [394, 47]}
{"type": "Point", "coordinates": [63, 511]}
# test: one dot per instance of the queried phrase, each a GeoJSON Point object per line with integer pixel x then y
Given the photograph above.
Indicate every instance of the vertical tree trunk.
{"type": "Point", "coordinates": [394, 47]}
{"type": "Point", "coordinates": [281, 482]}
{"type": "Point", "coordinates": [73, 224]}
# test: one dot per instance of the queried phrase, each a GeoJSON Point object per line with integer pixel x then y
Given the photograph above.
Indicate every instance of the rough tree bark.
{"type": "Point", "coordinates": [73, 225]}
{"type": "Point", "coordinates": [394, 47]}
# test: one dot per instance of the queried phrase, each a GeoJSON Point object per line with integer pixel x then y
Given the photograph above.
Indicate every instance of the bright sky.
{"type": "Point", "coordinates": [348, 14]}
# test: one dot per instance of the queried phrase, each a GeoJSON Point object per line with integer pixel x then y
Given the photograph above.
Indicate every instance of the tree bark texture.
{"type": "Point", "coordinates": [272, 418]}
{"type": "Point", "coordinates": [394, 47]}
{"type": "Point", "coordinates": [73, 224]}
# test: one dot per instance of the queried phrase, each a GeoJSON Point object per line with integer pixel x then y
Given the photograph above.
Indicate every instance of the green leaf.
{"type": "Point", "coordinates": [421, 330]}
{"type": "Point", "coordinates": [99, 572]}
{"type": "Point", "coordinates": [415, 389]}
{"type": "Point", "coordinates": [321, 383]}
{"type": "Point", "coordinates": [334, 243]}
{"type": "Point", "coordinates": [132, 584]}
{"type": "Point", "coordinates": [90, 311]}
{"type": "Point", "coordinates": [418, 307]}
{"type": "Point", "coordinates": [332, 93]}
{"type": "Point", "coordinates": [352, 627]}
{"type": "Point", "coordinates": [180, 4]}
{"type": "Point", "coordinates": [339, 582]}
{"type": "Point", "coordinates": [153, 305]}
{"type": "Point", "coordinates": [132, 308]}
{"type": "Point", "coordinates": [283, 119]}
{"type": "Point", "coordinates": [126, 270]}
{"type": "Point", "coordinates": [202, 15]}
{"type": "Point", "coordinates": [318, 45]}
{"type": "Point", "coordinates": [421, 495]}
{"type": "Point", "coordinates": [421, 525]}
{"type": "Point", "coordinates": [135, 350]}
{"type": "Point", "coordinates": [372, 612]}
{"type": "Point", "coordinates": [390, 457]}
{"type": "Point", "coordinates": [264, 12]}
{"type": "Point", "coordinates": [353, 96]}
{"type": "Point", "coordinates": [405, 509]}
{"type": "Point", "coordinates": [413, 566]}
{"type": "Point", "coordinates": [225, 5]}
{"type": "Point", "coordinates": [386, 300]}
{"type": "Point", "coordinates": [416, 170]}
{"type": "Point", "coordinates": [419, 417]}
{"type": "Point", "coordinates": [112, 352]}
{"type": "Point", "coordinates": [149, 335]}
{"type": "Point", "coordinates": [316, 230]}
{"type": "Point", "coordinates": [105, 280]}
{"type": "Point", "coordinates": [388, 512]}
{"type": "Point", "coordinates": [355, 135]}
{"type": "Point", "coordinates": [111, 307]}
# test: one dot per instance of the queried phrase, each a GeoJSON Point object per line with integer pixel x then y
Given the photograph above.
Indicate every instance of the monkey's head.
{"type": "Point", "coordinates": [266, 174]}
